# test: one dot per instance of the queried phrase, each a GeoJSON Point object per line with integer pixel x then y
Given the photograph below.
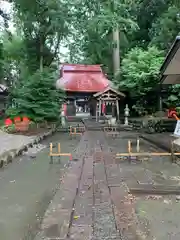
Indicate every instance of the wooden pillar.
{"type": "Point", "coordinates": [97, 107]}
{"type": "Point", "coordinates": [100, 102]}
{"type": "Point", "coordinates": [113, 109]}
{"type": "Point", "coordinates": [117, 108]}
{"type": "Point", "coordinates": [160, 99]}
{"type": "Point", "coordinates": [112, 112]}
{"type": "Point", "coordinates": [160, 103]}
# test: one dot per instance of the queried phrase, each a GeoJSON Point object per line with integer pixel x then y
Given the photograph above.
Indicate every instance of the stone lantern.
{"type": "Point", "coordinates": [126, 114]}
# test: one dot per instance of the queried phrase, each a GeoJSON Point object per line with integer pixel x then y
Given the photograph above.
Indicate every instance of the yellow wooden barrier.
{"type": "Point", "coordinates": [111, 131]}
{"type": "Point", "coordinates": [76, 130]}
{"type": "Point", "coordinates": [130, 154]}
{"type": "Point", "coordinates": [58, 153]}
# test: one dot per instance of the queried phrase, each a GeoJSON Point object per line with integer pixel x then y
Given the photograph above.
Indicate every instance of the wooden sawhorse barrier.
{"type": "Point", "coordinates": [111, 131]}
{"type": "Point", "coordinates": [129, 154]}
{"type": "Point", "coordinates": [73, 131]}
{"type": "Point", "coordinates": [58, 154]}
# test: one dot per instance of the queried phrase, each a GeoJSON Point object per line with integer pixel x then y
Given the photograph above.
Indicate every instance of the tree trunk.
{"type": "Point", "coordinates": [116, 53]}
{"type": "Point", "coordinates": [41, 57]}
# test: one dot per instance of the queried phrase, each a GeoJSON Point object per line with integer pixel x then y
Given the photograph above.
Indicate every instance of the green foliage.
{"type": "Point", "coordinates": [8, 129]}
{"type": "Point", "coordinates": [147, 13]}
{"type": "Point", "coordinates": [166, 28]}
{"type": "Point", "coordinates": [146, 27]}
{"type": "Point", "coordinates": [93, 23]}
{"type": "Point", "coordinates": [28, 56]}
{"type": "Point", "coordinates": [174, 96]}
{"type": "Point", "coordinates": [140, 70]}
{"type": "Point", "coordinates": [38, 98]}
{"type": "Point", "coordinates": [43, 25]}
{"type": "Point", "coordinates": [13, 55]}
{"type": "Point", "coordinates": [1, 62]}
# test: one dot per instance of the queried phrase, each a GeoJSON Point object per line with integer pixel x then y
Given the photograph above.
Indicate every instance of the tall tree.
{"type": "Point", "coordinates": [166, 28]}
{"type": "Point", "coordinates": [147, 13]}
{"type": "Point", "coordinates": [140, 70]}
{"type": "Point", "coordinates": [44, 24]}
{"type": "Point", "coordinates": [95, 22]}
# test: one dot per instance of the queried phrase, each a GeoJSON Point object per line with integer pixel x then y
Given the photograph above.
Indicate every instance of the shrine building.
{"type": "Point", "coordinates": [87, 88]}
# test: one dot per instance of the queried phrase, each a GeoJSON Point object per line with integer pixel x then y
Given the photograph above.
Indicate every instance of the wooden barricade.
{"type": "Point", "coordinates": [76, 130]}
{"type": "Point", "coordinates": [58, 153]}
{"type": "Point", "coordinates": [129, 154]}
{"type": "Point", "coordinates": [111, 131]}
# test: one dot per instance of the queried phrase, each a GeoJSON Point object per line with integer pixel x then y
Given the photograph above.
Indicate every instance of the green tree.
{"type": "Point", "coordinates": [38, 98]}
{"type": "Point", "coordinates": [166, 28]}
{"type": "Point", "coordinates": [140, 70]}
{"type": "Point", "coordinates": [147, 13]}
{"type": "Point", "coordinates": [13, 58]}
{"type": "Point", "coordinates": [44, 24]}
{"type": "Point", "coordinates": [94, 23]}
{"type": "Point", "coordinates": [1, 62]}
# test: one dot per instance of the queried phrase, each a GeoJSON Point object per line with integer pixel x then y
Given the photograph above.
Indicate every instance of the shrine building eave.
{"type": "Point", "coordinates": [109, 89]}
{"type": "Point", "coordinates": [170, 69]}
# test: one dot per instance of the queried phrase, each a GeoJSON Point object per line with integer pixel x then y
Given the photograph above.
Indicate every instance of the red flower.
{"type": "Point", "coordinates": [8, 122]}
{"type": "Point", "coordinates": [17, 119]}
{"type": "Point", "coordinates": [26, 119]}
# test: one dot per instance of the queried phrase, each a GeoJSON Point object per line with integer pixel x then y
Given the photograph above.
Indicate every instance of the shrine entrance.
{"type": "Point", "coordinates": [107, 102]}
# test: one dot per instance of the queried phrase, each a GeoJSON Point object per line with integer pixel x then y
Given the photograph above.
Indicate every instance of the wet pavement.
{"type": "Point", "coordinates": [9, 142]}
{"type": "Point", "coordinates": [157, 216]}
{"type": "Point", "coordinates": [92, 203]}
{"type": "Point", "coordinates": [27, 186]}
{"type": "Point", "coordinates": [89, 198]}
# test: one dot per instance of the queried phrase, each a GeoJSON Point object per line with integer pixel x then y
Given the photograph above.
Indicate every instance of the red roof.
{"type": "Point", "coordinates": [82, 78]}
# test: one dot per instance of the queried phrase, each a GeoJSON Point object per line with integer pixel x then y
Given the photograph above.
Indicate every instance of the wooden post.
{"type": "Point", "coordinates": [172, 152]}
{"type": "Point", "coordinates": [129, 150]}
{"type": "Point", "coordinates": [51, 148]}
{"type": "Point", "coordinates": [51, 157]}
{"type": "Point", "coordinates": [97, 107]}
{"type": "Point", "coordinates": [160, 98]}
{"type": "Point", "coordinates": [59, 151]}
{"type": "Point", "coordinates": [59, 148]}
{"type": "Point", "coordinates": [137, 146]}
{"type": "Point", "coordinates": [112, 112]}
{"type": "Point", "coordinates": [100, 102]}
{"type": "Point", "coordinates": [117, 107]}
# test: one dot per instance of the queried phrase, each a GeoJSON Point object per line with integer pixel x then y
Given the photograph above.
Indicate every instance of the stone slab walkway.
{"type": "Point", "coordinates": [11, 141]}
{"type": "Point", "coordinates": [163, 140]}
{"type": "Point", "coordinates": [92, 202]}
{"type": "Point", "coordinates": [12, 145]}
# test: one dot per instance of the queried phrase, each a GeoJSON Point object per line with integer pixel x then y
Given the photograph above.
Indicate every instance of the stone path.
{"type": "Point", "coordinates": [92, 202]}
{"type": "Point", "coordinates": [11, 141]}
{"type": "Point", "coordinates": [27, 186]}
{"type": "Point", "coordinates": [162, 140]}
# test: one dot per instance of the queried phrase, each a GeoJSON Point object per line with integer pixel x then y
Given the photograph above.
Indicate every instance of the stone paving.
{"type": "Point", "coordinates": [14, 145]}
{"type": "Point", "coordinates": [11, 141]}
{"type": "Point", "coordinates": [92, 202]}
{"type": "Point", "coordinates": [27, 186]}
